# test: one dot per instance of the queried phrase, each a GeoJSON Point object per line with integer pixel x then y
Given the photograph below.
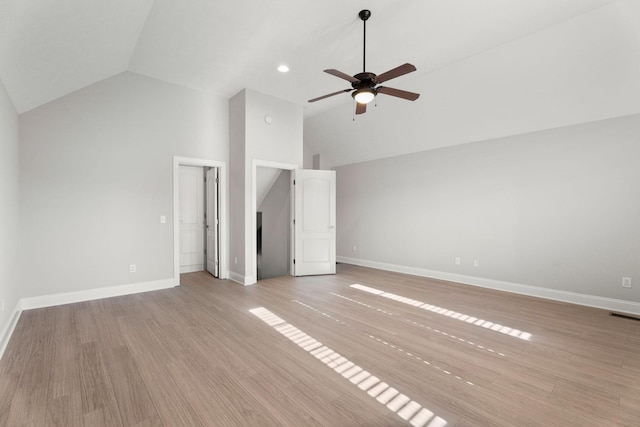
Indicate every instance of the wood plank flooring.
{"type": "Point", "coordinates": [396, 350]}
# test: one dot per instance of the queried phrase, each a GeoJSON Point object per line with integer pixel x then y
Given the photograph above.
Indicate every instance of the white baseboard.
{"type": "Point", "coordinates": [243, 280]}
{"type": "Point", "coordinates": [616, 305]}
{"type": "Point", "coordinates": [9, 328]}
{"type": "Point", "coordinates": [191, 268]}
{"type": "Point", "coordinates": [238, 278]}
{"type": "Point", "coordinates": [93, 294]}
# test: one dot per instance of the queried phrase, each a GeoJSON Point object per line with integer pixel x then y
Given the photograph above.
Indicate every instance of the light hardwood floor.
{"type": "Point", "coordinates": [395, 350]}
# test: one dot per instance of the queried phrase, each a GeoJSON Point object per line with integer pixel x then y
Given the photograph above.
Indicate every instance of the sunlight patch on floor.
{"type": "Point", "coordinates": [398, 348]}
{"type": "Point", "coordinates": [420, 325]}
{"type": "Point", "coordinates": [449, 313]}
{"type": "Point", "coordinates": [402, 405]}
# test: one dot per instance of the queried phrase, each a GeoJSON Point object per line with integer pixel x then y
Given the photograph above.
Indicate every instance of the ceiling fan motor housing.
{"type": "Point", "coordinates": [366, 80]}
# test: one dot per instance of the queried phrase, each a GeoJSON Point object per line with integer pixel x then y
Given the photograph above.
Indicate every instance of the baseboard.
{"type": "Point", "coordinates": [191, 268]}
{"type": "Point", "coordinates": [93, 294]}
{"type": "Point", "coordinates": [517, 288]}
{"type": "Point", "coordinates": [9, 328]}
{"type": "Point", "coordinates": [238, 278]}
{"type": "Point", "coordinates": [243, 280]}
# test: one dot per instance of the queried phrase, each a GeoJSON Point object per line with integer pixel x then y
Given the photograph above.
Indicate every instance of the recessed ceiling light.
{"type": "Point", "coordinates": [283, 68]}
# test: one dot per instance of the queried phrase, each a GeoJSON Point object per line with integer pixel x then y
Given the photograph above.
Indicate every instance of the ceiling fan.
{"type": "Point", "coordinates": [364, 86]}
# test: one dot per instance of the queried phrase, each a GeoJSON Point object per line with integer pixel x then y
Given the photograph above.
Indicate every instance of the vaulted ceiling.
{"type": "Point", "coordinates": [49, 49]}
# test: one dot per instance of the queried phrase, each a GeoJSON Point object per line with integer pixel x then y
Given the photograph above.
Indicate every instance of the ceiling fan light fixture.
{"type": "Point", "coordinates": [365, 85]}
{"type": "Point", "coordinates": [364, 96]}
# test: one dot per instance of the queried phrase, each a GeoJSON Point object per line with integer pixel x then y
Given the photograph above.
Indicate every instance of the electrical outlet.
{"type": "Point", "coordinates": [235, 260]}
{"type": "Point", "coordinates": [626, 282]}
{"type": "Point", "coordinates": [353, 248]}
{"type": "Point", "coordinates": [457, 261]}
{"type": "Point", "coordinates": [476, 263]}
{"type": "Point", "coordinates": [132, 268]}
{"type": "Point", "coordinates": [163, 219]}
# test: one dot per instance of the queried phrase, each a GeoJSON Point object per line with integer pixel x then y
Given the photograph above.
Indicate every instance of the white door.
{"type": "Point", "coordinates": [212, 222]}
{"type": "Point", "coordinates": [314, 222]}
{"type": "Point", "coordinates": [191, 213]}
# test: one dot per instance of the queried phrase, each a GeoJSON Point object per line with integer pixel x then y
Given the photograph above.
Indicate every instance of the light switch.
{"type": "Point", "coordinates": [163, 219]}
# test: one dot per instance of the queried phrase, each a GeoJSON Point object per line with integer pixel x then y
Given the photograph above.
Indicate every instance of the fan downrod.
{"type": "Point", "coordinates": [364, 15]}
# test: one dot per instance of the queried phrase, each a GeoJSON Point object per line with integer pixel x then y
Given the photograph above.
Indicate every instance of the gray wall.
{"type": "Point", "coordinates": [96, 175]}
{"type": "Point", "coordinates": [9, 242]}
{"type": "Point", "coordinates": [276, 228]}
{"type": "Point", "coordinates": [555, 209]}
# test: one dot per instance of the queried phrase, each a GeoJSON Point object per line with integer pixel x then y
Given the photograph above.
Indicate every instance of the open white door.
{"type": "Point", "coordinates": [314, 222]}
{"type": "Point", "coordinates": [212, 222]}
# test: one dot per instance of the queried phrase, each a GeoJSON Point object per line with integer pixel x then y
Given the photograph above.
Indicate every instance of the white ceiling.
{"type": "Point", "coordinates": [50, 49]}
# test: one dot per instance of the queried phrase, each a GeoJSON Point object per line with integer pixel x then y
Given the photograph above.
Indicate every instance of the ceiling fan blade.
{"type": "Point", "coordinates": [361, 108]}
{"type": "Point", "coordinates": [411, 96]}
{"type": "Point", "coordinates": [342, 75]}
{"type": "Point", "coordinates": [396, 72]}
{"type": "Point", "coordinates": [330, 94]}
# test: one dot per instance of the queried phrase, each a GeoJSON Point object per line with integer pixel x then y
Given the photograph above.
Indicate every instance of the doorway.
{"type": "Point", "coordinates": [199, 206]}
{"type": "Point", "coordinates": [198, 219]}
{"type": "Point", "coordinates": [273, 222]}
{"type": "Point", "coordinates": [311, 234]}
{"type": "Point", "coordinates": [276, 168]}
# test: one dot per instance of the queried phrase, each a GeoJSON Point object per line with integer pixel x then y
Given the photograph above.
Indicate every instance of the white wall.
{"type": "Point", "coordinates": [254, 139]}
{"type": "Point", "coordinates": [9, 241]}
{"type": "Point", "coordinates": [96, 175]}
{"type": "Point", "coordinates": [581, 70]}
{"type": "Point", "coordinates": [556, 209]}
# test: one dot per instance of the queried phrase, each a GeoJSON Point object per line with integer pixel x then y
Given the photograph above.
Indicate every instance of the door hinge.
{"type": "Point", "coordinates": [294, 261]}
{"type": "Point", "coordinates": [216, 180]}
{"type": "Point", "coordinates": [294, 221]}
{"type": "Point", "coordinates": [294, 182]}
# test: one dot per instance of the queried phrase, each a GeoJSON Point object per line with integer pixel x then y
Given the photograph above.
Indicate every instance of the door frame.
{"type": "Point", "coordinates": [253, 248]}
{"type": "Point", "coordinates": [222, 207]}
